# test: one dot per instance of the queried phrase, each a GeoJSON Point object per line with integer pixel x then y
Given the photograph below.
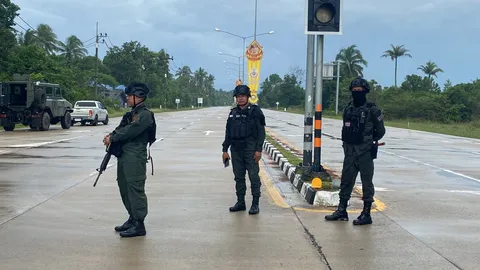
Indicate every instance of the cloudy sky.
{"type": "Point", "coordinates": [439, 30]}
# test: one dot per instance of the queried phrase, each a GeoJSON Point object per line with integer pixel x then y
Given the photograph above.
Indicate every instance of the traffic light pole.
{"type": "Point", "coordinates": [308, 120]}
{"type": "Point", "coordinates": [317, 152]}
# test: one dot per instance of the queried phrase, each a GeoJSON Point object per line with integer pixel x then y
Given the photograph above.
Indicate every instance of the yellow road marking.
{"type": "Point", "coordinates": [272, 190]}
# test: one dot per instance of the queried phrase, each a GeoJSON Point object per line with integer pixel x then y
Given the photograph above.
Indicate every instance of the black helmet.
{"type": "Point", "coordinates": [138, 89]}
{"type": "Point", "coordinates": [360, 82]}
{"type": "Point", "coordinates": [242, 90]}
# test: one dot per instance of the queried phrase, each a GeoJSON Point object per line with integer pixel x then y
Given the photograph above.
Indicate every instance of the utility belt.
{"type": "Point", "coordinates": [239, 144]}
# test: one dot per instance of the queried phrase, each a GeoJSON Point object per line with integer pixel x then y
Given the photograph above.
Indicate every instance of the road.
{"type": "Point", "coordinates": [55, 219]}
{"type": "Point", "coordinates": [429, 183]}
{"type": "Point", "coordinates": [52, 217]}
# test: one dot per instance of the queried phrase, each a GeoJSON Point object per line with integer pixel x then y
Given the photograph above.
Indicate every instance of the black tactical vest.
{"type": "Point", "coordinates": [354, 121]}
{"type": "Point", "coordinates": [242, 123]}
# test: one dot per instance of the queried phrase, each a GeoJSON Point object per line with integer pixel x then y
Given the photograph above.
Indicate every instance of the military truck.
{"type": "Point", "coordinates": [33, 103]}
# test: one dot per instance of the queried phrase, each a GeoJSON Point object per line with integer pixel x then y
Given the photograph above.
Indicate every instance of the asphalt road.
{"type": "Point", "coordinates": [429, 182]}
{"type": "Point", "coordinates": [62, 222]}
{"type": "Point", "coordinates": [52, 217]}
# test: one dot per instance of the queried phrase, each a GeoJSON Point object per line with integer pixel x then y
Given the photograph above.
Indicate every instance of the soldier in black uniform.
{"type": "Point", "coordinates": [245, 134]}
{"type": "Point", "coordinates": [362, 128]}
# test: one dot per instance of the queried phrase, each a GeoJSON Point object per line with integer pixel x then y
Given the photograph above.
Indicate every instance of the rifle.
{"type": "Point", "coordinates": [112, 149]}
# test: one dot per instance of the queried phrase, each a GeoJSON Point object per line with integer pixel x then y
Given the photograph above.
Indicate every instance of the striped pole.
{"type": "Point", "coordinates": [317, 147]}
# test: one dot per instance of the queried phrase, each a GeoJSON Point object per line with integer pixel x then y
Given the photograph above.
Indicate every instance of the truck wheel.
{"type": "Point", "coordinates": [66, 121]}
{"type": "Point", "coordinates": [9, 127]}
{"type": "Point", "coordinates": [45, 122]}
{"type": "Point", "coordinates": [106, 120]}
{"type": "Point", "coordinates": [95, 121]}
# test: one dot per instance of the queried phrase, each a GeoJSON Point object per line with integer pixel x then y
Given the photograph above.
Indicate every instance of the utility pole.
{"type": "Point", "coordinates": [308, 120]}
{"type": "Point", "coordinates": [166, 77]}
{"type": "Point", "coordinates": [97, 36]}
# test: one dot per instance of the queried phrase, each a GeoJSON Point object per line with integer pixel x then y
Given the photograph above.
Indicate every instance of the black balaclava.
{"type": "Point", "coordinates": [359, 98]}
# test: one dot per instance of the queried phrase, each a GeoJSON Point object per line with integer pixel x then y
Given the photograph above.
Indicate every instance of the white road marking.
{"type": "Point", "coordinates": [382, 189]}
{"type": "Point", "coordinates": [94, 173]}
{"type": "Point", "coordinates": [208, 132]}
{"type": "Point", "coordinates": [432, 166]}
{"type": "Point", "coordinates": [43, 143]}
{"type": "Point", "coordinates": [191, 123]}
{"type": "Point", "coordinates": [181, 128]}
{"type": "Point", "coordinates": [464, 191]}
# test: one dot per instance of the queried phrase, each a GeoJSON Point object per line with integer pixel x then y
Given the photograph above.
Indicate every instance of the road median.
{"type": "Point", "coordinates": [325, 196]}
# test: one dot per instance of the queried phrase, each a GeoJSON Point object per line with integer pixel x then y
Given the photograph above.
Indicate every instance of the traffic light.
{"type": "Point", "coordinates": [323, 17]}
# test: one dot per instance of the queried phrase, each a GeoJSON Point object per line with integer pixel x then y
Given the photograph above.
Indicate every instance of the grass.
{"type": "Point", "coordinates": [468, 130]}
{"type": "Point", "coordinates": [296, 161]}
{"type": "Point", "coordinates": [292, 159]}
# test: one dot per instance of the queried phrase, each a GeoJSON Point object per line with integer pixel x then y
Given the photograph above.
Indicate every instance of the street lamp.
{"type": "Point", "coordinates": [244, 46]}
{"type": "Point", "coordinates": [239, 57]}
{"type": "Point", "coordinates": [338, 62]}
{"type": "Point", "coordinates": [239, 67]}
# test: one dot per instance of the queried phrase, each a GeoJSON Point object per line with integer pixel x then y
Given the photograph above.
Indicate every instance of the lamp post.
{"type": "Point", "coordinates": [338, 62]}
{"type": "Point", "coordinates": [239, 67]}
{"type": "Point", "coordinates": [244, 46]}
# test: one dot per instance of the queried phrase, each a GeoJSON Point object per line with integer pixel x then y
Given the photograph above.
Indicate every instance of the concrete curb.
{"type": "Point", "coordinates": [313, 196]}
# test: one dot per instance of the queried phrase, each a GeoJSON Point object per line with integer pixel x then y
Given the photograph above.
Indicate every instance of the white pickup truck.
{"type": "Point", "coordinates": [90, 111]}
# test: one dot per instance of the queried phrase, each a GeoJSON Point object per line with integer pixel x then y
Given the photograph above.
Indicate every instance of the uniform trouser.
{"type": "Point", "coordinates": [352, 164]}
{"type": "Point", "coordinates": [131, 178]}
{"type": "Point", "coordinates": [243, 161]}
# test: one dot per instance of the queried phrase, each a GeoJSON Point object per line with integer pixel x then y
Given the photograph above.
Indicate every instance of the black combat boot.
{"type": "Point", "coordinates": [364, 217]}
{"type": "Point", "coordinates": [240, 205]}
{"type": "Point", "coordinates": [137, 229]}
{"type": "Point", "coordinates": [125, 225]}
{"type": "Point", "coordinates": [340, 214]}
{"type": "Point", "coordinates": [254, 209]}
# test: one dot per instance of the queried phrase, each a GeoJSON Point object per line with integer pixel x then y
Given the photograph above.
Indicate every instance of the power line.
{"type": "Point", "coordinates": [33, 29]}
{"type": "Point", "coordinates": [88, 39]}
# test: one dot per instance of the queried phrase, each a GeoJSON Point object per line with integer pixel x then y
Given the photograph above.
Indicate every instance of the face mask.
{"type": "Point", "coordinates": [359, 97]}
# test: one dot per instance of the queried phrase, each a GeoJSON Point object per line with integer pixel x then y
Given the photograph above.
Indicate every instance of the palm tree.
{"type": "Point", "coordinates": [43, 37]}
{"type": "Point", "coordinates": [430, 69]}
{"type": "Point", "coordinates": [72, 49]}
{"type": "Point", "coordinates": [353, 60]}
{"type": "Point", "coordinates": [394, 53]}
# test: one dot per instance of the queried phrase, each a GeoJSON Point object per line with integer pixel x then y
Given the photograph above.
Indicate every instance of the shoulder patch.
{"type": "Point", "coordinates": [134, 117]}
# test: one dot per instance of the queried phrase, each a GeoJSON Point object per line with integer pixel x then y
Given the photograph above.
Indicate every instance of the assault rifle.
{"type": "Point", "coordinates": [112, 149]}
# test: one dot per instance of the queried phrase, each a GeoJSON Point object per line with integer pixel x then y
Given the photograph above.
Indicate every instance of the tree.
{"type": "Point", "coordinates": [72, 49]}
{"type": "Point", "coordinates": [353, 61]}
{"type": "Point", "coordinates": [430, 69]}
{"type": "Point", "coordinates": [394, 53]}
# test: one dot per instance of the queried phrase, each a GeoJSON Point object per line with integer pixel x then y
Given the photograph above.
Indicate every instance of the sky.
{"type": "Point", "coordinates": [442, 31]}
